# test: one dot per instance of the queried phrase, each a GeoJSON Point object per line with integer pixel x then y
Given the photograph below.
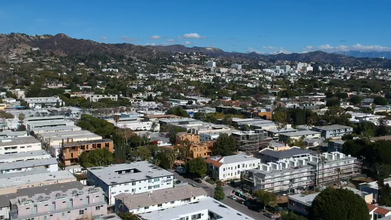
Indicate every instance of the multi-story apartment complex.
{"type": "Point", "coordinates": [19, 145]}
{"type": "Point", "coordinates": [294, 136]}
{"type": "Point", "coordinates": [5, 199]}
{"type": "Point", "coordinates": [192, 138]}
{"type": "Point", "coordinates": [202, 149]}
{"type": "Point", "coordinates": [230, 167]}
{"type": "Point", "coordinates": [158, 199]}
{"type": "Point", "coordinates": [137, 177]}
{"type": "Point", "coordinates": [205, 209]}
{"type": "Point", "coordinates": [49, 164]}
{"type": "Point", "coordinates": [24, 156]}
{"type": "Point", "coordinates": [12, 182]}
{"type": "Point", "coordinates": [250, 141]}
{"type": "Point", "coordinates": [41, 102]}
{"type": "Point", "coordinates": [85, 203]}
{"type": "Point", "coordinates": [331, 131]}
{"type": "Point", "coordinates": [301, 172]}
{"type": "Point", "coordinates": [70, 151]}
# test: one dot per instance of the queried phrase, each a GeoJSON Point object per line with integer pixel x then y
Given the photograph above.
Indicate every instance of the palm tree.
{"type": "Point", "coordinates": [116, 119]}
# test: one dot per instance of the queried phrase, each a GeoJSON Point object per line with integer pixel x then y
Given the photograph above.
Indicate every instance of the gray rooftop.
{"type": "Point", "coordinates": [28, 154]}
{"type": "Point", "coordinates": [299, 133]}
{"type": "Point", "coordinates": [235, 158]}
{"type": "Point", "coordinates": [226, 212]}
{"type": "Point", "coordinates": [28, 163]}
{"type": "Point", "coordinates": [18, 141]}
{"type": "Point", "coordinates": [133, 201]}
{"type": "Point", "coordinates": [110, 176]}
{"type": "Point", "coordinates": [17, 179]}
{"type": "Point", "coordinates": [332, 127]}
{"type": "Point", "coordinates": [285, 153]}
{"type": "Point", "coordinates": [304, 199]}
{"type": "Point", "coordinates": [5, 199]}
{"type": "Point", "coordinates": [67, 134]}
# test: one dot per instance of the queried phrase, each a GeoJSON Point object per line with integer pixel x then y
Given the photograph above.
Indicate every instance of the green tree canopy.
{"type": "Point", "coordinates": [96, 125]}
{"type": "Point", "coordinates": [98, 157]}
{"type": "Point", "coordinates": [337, 204]}
{"type": "Point", "coordinates": [380, 100]}
{"type": "Point", "coordinates": [264, 197]}
{"type": "Point", "coordinates": [224, 146]}
{"type": "Point", "coordinates": [197, 166]}
{"type": "Point", "coordinates": [332, 102]}
{"type": "Point", "coordinates": [219, 192]}
{"type": "Point", "coordinates": [127, 216]}
{"type": "Point", "coordinates": [177, 111]}
{"type": "Point", "coordinates": [355, 100]}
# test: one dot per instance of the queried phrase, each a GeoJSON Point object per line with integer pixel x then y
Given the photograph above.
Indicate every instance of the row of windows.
{"type": "Point", "coordinates": [238, 166]}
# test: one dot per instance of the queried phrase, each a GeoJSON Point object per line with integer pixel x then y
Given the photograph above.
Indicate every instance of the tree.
{"type": "Point", "coordinates": [166, 158]}
{"type": "Point", "coordinates": [355, 100]}
{"type": "Point", "coordinates": [264, 197]}
{"type": "Point", "coordinates": [21, 117]}
{"type": "Point", "coordinates": [384, 193]}
{"type": "Point", "coordinates": [337, 204]}
{"type": "Point", "coordinates": [332, 102]}
{"type": "Point", "coordinates": [291, 216]}
{"type": "Point", "coordinates": [219, 192]}
{"type": "Point", "coordinates": [225, 145]}
{"type": "Point", "coordinates": [342, 95]}
{"type": "Point", "coordinates": [116, 119]}
{"type": "Point", "coordinates": [380, 101]}
{"type": "Point", "coordinates": [127, 216]}
{"type": "Point", "coordinates": [280, 117]}
{"type": "Point", "coordinates": [98, 157]}
{"type": "Point", "coordinates": [177, 111]}
{"type": "Point", "coordinates": [197, 166]}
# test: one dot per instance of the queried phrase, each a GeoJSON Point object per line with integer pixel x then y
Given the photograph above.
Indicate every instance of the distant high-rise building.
{"type": "Point", "coordinates": [236, 66]}
{"type": "Point", "coordinates": [211, 64]}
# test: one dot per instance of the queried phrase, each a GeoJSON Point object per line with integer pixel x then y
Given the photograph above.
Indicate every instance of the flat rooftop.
{"type": "Point", "coordinates": [5, 199]}
{"type": "Point", "coordinates": [133, 201]}
{"type": "Point", "coordinates": [208, 203]}
{"type": "Point", "coordinates": [28, 163]}
{"type": "Point", "coordinates": [67, 134]}
{"type": "Point", "coordinates": [35, 153]}
{"type": "Point", "coordinates": [141, 171]}
{"type": "Point", "coordinates": [78, 143]}
{"type": "Point", "coordinates": [304, 199]}
{"type": "Point", "coordinates": [299, 133]}
{"type": "Point", "coordinates": [332, 127]}
{"type": "Point", "coordinates": [18, 141]}
{"type": "Point", "coordinates": [285, 153]}
{"type": "Point", "coordinates": [23, 178]}
{"type": "Point", "coordinates": [56, 128]}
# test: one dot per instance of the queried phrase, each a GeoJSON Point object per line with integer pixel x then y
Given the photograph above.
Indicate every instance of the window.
{"type": "Point", "coordinates": [149, 187]}
{"type": "Point", "coordinates": [159, 205]}
{"type": "Point", "coordinates": [146, 207]}
{"type": "Point", "coordinates": [81, 212]}
{"type": "Point", "coordinates": [157, 179]}
{"type": "Point", "coordinates": [133, 190]}
{"type": "Point", "coordinates": [97, 208]}
{"type": "Point", "coordinates": [134, 183]}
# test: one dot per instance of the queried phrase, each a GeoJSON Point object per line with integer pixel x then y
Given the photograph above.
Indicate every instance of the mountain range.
{"type": "Point", "coordinates": [63, 45]}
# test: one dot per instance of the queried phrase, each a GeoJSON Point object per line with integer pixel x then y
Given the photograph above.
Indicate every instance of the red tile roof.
{"type": "Point", "coordinates": [213, 162]}
{"type": "Point", "coordinates": [371, 207]}
{"type": "Point", "coordinates": [382, 211]}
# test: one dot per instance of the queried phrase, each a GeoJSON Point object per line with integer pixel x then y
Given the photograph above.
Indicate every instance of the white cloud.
{"type": "Point", "coordinates": [155, 37]}
{"type": "Point", "coordinates": [128, 39]}
{"type": "Point", "coordinates": [170, 40]}
{"type": "Point", "coordinates": [187, 43]}
{"type": "Point", "coordinates": [192, 36]}
{"type": "Point", "coordinates": [269, 48]}
{"type": "Point", "coordinates": [150, 44]}
{"type": "Point", "coordinates": [103, 38]}
{"type": "Point", "coordinates": [344, 48]}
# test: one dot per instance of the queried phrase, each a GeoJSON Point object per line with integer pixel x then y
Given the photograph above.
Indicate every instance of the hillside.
{"type": "Point", "coordinates": [63, 45]}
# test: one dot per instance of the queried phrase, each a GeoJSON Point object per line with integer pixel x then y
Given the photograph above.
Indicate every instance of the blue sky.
{"type": "Point", "coordinates": [264, 26]}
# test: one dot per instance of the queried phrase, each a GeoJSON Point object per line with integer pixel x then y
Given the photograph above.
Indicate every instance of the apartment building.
{"type": "Point", "coordinates": [192, 138]}
{"type": "Point", "coordinates": [250, 141]}
{"type": "Point", "coordinates": [230, 167]}
{"type": "Point", "coordinates": [300, 173]}
{"type": "Point", "coordinates": [36, 123]}
{"type": "Point", "coordinates": [41, 102]}
{"type": "Point", "coordinates": [269, 155]}
{"type": "Point", "coordinates": [12, 182]}
{"type": "Point", "coordinates": [70, 151]}
{"type": "Point", "coordinates": [332, 131]}
{"type": "Point", "coordinates": [294, 136]}
{"type": "Point", "coordinates": [24, 156]}
{"type": "Point", "coordinates": [19, 145]}
{"type": "Point", "coordinates": [134, 178]}
{"type": "Point", "coordinates": [49, 164]}
{"type": "Point", "coordinates": [205, 209]}
{"type": "Point", "coordinates": [12, 134]}
{"type": "Point", "coordinates": [5, 199]}
{"type": "Point", "coordinates": [202, 149]}
{"type": "Point", "coordinates": [88, 202]}
{"type": "Point", "coordinates": [158, 199]}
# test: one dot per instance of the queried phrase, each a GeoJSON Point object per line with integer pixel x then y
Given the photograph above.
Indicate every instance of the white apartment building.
{"type": "Point", "coordinates": [134, 178]}
{"type": "Point", "coordinates": [205, 209]}
{"type": "Point", "coordinates": [158, 199]}
{"type": "Point", "coordinates": [24, 156]}
{"type": "Point", "coordinates": [19, 144]}
{"type": "Point", "coordinates": [40, 102]}
{"type": "Point", "coordinates": [305, 134]}
{"type": "Point", "coordinates": [230, 167]}
{"type": "Point", "coordinates": [300, 173]}
{"type": "Point", "coordinates": [48, 164]}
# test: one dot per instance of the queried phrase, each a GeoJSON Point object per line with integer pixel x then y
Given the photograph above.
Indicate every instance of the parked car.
{"type": "Point", "coordinates": [198, 180]}
{"type": "Point", "coordinates": [232, 197]}
{"type": "Point", "coordinates": [269, 215]}
{"type": "Point", "coordinates": [241, 201]}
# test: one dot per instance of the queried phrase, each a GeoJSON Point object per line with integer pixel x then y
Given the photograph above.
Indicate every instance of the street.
{"type": "Point", "coordinates": [209, 188]}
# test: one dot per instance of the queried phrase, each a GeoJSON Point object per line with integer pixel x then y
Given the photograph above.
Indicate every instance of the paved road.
{"type": "Point", "coordinates": [209, 188]}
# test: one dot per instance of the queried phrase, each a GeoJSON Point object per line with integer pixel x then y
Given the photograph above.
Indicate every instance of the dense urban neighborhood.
{"type": "Point", "coordinates": [106, 131]}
